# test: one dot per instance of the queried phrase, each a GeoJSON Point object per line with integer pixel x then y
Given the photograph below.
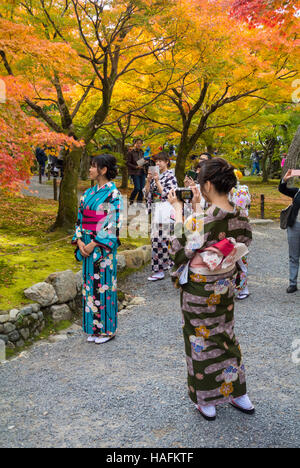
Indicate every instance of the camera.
{"type": "Point", "coordinates": [184, 194]}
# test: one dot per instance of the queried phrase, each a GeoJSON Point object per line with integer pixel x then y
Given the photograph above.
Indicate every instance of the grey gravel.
{"type": "Point", "coordinates": [131, 392]}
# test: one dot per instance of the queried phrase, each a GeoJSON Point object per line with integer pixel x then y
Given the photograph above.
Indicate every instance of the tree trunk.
{"type": "Point", "coordinates": [293, 157]}
{"type": "Point", "coordinates": [85, 164]}
{"type": "Point", "coordinates": [183, 152]}
{"type": "Point", "coordinates": [124, 169]}
{"type": "Point", "coordinates": [68, 197]}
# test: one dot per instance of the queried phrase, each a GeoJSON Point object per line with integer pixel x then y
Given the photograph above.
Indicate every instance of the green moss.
{"type": "Point", "coordinates": [28, 252]}
{"type": "Point", "coordinates": [51, 328]}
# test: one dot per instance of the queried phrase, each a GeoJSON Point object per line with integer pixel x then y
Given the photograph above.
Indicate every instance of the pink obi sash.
{"type": "Point", "coordinates": [91, 219]}
{"type": "Point", "coordinates": [219, 256]}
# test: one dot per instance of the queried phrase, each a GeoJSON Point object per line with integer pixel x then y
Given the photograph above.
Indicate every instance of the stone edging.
{"type": "Point", "coordinates": [59, 298]}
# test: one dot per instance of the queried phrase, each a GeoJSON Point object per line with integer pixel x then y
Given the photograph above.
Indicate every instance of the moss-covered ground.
{"type": "Point", "coordinates": [29, 252]}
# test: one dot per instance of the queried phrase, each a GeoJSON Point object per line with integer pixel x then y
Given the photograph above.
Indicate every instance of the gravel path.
{"type": "Point", "coordinates": [131, 392]}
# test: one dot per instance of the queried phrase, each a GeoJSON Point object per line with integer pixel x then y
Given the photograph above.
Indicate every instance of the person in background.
{"type": "Point", "coordinates": [216, 373]}
{"type": "Point", "coordinates": [201, 157]}
{"type": "Point", "coordinates": [255, 158]}
{"type": "Point", "coordinates": [41, 158]}
{"type": "Point", "coordinates": [156, 191]}
{"type": "Point", "coordinates": [283, 159]}
{"type": "Point", "coordinates": [240, 197]}
{"type": "Point", "coordinates": [97, 240]}
{"type": "Point", "coordinates": [293, 230]}
{"type": "Point", "coordinates": [136, 171]}
{"type": "Point", "coordinates": [190, 182]}
{"type": "Point", "coordinates": [147, 152]}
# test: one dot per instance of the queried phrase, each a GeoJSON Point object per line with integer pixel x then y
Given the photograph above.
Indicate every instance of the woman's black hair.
{"type": "Point", "coordinates": [162, 156]}
{"type": "Point", "coordinates": [220, 173]}
{"type": "Point", "coordinates": [106, 160]}
{"type": "Point", "coordinates": [209, 156]}
{"type": "Point", "coordinates": [199, 165]}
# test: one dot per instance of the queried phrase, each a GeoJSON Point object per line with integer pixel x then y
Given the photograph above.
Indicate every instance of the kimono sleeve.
{"type": "Point", "coordinates": [184, 244]}
{"type": "Point", "coordinates": [78, 227]}
{"type": "Point", "coordinates": [107, 236]}
{"type": "Point", "coordinates": [171, 183]}
{"type": "Point", "coordinates": [244, 234]}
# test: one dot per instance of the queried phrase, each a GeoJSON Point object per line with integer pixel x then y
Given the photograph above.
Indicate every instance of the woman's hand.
{"type": "Point", "coordinates": [82, 247]}
{"type": "Point", "coordinates": [196, 195]}
{"type": "Point", "coordinates": [89, 249]}
{"type": "Point", "coordinates": [177, 205]}
{"type": "Point", "coordinates": [288, 175]}
{"type": "Point", "coordinates": [149, 177]}
{"type": "Point", "coordinates": [172, 198]}
{"type": "Point", "coordinates": [156, 177]}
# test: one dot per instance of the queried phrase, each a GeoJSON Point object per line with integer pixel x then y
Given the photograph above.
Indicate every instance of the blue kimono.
{"type": "Point", "coordinates": [99, 220]}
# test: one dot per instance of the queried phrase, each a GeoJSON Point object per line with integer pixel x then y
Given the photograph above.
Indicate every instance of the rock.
{"type": "Point", "coordinates": [65, 285]}
{"type": "Point", "coordinates": [14, 314]}
{"type": "Point", "coordinates": [4, 338]}
{"type": "Point", "coordinates": [35, 316]}
{"type": "Point", "coordinates": [26, 311]}
{"type": "Point", "coordinates": [57, 338]}
{"type": "Point", "coordinates": [60, 312]}
{"type": "Point", "coordinates": [20, 343]}
{"type": "Point", "coordinates": [134, 258]}
{"type": "Point", "coordinates": [40, 315]}
{"type": "Point", "coordinates": [4, 318]}
{"type": "Point", "coordinates": [138, 301]}
{"type": "Point", "coordinates": [14, 336]}
{"type": "Point", "coordinates": [43, 293]}
{"type": "Point", "coordinates": [25, 333]}
{"type": "Point", "coordinates": [10, 345]}
{"type": "Point", "coordinates": [121, 262]}
{"type": "Point", "coordinates": [35, 308]}
{"type": "Point", "coordinates": [145, 252]}
{"type": "Point", "coordinates": [79, 281]}
{"type": "Point", "coordinates": [8, 328]}
{"type": "Point", "coordinates": [261, 221]}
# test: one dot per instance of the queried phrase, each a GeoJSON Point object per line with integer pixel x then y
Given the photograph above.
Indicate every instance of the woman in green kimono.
{"type": "Point", "coordinates": [97, 240]}
{"type": "Point", "coordinates": [205, 249]}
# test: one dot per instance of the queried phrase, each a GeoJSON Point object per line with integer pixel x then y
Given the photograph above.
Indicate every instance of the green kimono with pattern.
{"type": "Point", "coordinates": [216, 373]}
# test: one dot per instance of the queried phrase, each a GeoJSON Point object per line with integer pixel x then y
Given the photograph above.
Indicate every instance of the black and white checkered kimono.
{"type": "Point", "coordinates": [161, 232]}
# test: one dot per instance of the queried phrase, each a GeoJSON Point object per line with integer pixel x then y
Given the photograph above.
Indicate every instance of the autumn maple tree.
{"type": "Point", "coordinates": [107, 40]}
{"type": "Point", "coordinates": [21, 130]}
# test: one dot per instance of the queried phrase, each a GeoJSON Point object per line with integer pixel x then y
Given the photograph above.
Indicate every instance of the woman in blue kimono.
{"type": "Point", "coordinates": [97, 240]}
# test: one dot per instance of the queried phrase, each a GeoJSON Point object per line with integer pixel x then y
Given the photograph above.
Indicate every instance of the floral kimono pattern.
{"type": "Point", "coordinates": [99, 219]}
{"type": "Point", "coordinates": [213, 355]}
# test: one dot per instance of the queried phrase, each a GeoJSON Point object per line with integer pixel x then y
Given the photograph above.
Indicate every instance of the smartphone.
{"type": "Point", "coordinates": [192, 174]}
{"type": "Point", "coordinates": [154, 170]}
{"type": "Point", "coordinates": [295, 172]}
